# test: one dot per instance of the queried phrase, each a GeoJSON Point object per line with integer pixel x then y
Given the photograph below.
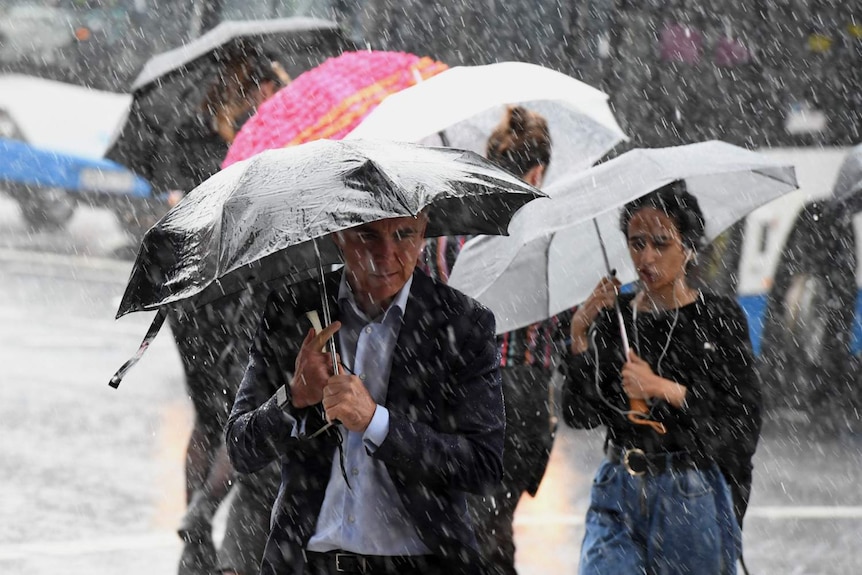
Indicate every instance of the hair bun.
{"type": "Point", "coordinates": [520, 141]}
{"type": "Point", "coordinates": [518, 118]}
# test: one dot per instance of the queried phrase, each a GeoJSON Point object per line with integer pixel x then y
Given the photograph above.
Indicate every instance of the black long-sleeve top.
{"type": "Point", "coordinates": [703, 346]}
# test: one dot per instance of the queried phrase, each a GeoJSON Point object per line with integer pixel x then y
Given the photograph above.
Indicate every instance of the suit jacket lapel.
{"type": "Point", "coordinates": [414, 341]}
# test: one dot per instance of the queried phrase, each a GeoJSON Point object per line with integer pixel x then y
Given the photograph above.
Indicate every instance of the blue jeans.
{"type": "Point", "coordinates": [676, 522]}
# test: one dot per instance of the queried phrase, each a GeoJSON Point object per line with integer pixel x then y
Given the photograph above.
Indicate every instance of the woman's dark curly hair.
{"type": "Point", "coordinates": [678, 204]}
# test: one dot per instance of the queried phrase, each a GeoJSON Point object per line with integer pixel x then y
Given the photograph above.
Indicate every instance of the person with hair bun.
{"type": "Point", "coordinates": [520, 144]}
{"type": "Point", "coordinates": [673, 488]}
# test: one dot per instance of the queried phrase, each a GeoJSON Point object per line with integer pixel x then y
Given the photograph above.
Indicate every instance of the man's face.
{"type": "Point", "coordinates": [381, 256]}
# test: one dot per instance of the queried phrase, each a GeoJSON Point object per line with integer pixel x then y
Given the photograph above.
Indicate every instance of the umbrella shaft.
{"type": "Point", "coordinates": [623, 333]}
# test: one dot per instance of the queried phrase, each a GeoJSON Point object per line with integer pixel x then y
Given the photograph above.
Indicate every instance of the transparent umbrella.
{"type": "Point", "coordinates": [553, 257]}
{"type": "Point", "coordinates": [561, 246]}
{"type": "Point", "coordinates": [461, 106]}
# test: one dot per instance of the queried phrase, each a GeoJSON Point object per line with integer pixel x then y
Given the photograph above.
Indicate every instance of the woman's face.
{"type": "Point", "coordinates": [656, 249]}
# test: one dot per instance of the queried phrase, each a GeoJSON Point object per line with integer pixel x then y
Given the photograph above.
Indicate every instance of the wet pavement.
{"type": "Point", "coordinates": [94, 476]}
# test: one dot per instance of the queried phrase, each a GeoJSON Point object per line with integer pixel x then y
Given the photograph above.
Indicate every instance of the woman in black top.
{"type": "Point", "coordinates": [672, 491]}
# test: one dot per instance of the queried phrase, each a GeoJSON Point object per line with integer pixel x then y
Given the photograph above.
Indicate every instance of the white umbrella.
{"type": "Point", "coordinates": [849, 181]}
{"type": "Point", "coordinates": [552, 258]}
{"type": "Point", "coordinates": [467, 102]}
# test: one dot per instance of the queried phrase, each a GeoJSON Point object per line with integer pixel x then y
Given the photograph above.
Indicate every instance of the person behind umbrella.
{"type": "Point", "coordinates": [213, 344]}
{"type": "Point", "coordinates": [201, 141]}
{"type": "Point", "coordinates": [669, 502]}
{"type": "Point", "coordinates": [419, 404]}
{"type": "Point", "coordinates": [521, 144]}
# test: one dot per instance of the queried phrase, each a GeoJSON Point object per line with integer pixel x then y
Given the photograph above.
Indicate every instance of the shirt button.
{"type": "Point", "coordinates": [362, 376]}
{"type": "Point", "coordinates": [368, 329]}
{"type": "Point", "coordinates": [355, 471]}
{"type": "Point", "coordinates": [351, 519]}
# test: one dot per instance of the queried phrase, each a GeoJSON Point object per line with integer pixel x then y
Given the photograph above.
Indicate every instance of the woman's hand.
{"type": "Point", "coordinates": [639, 382]}
{"type": "Point", "coordinates": [603, 296]}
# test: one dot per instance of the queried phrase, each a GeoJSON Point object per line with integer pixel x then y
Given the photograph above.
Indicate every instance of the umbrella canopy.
{"type": "Point", "coordinates": [236, 34]}
{"type": "Point", "coordinates": [173, 86]}
{"type": "Point", "coordinates": [849, 181]}
{"type": "Point", "coordinates": [27, 165]}
{"type": "Point", "coordinates": [329, 101]}
{"type": "Point", "coordinates": [553, 259]}
{"type": "Point", "coordinates": [257, 219]}
{"type": "Point", "coordinates": [466, 103]}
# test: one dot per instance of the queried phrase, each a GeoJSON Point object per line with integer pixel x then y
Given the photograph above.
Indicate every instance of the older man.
{"type": "Point", "coordinates": [419, 407]}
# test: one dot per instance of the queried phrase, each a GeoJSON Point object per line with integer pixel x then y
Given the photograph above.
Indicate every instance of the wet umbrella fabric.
{"type": "Point", "coordinates": [329, 101]}
{"type": "Point", "coordinates": [265, 218]}
{"type": "Point", "coordinates": [553, 259]}
{"type": "Point", "coordinates": [230, 35]}
{"type": "Point", "coordinates": [465, 103]}
{"type": "Point", "coordinates": [848, 185]}
{"type": "Point", "coordinates": [161, 103]}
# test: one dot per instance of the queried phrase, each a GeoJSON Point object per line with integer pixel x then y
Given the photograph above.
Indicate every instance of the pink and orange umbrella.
{"type": "Point", "coordinates": [329, 101]}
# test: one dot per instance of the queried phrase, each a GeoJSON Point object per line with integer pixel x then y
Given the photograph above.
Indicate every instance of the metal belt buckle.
{"type": "Point", "coordinates": [635, 462]}
{"type": "Point", "coordinates": [349, 563]}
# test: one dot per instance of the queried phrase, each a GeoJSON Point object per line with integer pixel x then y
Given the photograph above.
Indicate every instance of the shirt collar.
{"type": "Point", "coordinates": [345, 294]}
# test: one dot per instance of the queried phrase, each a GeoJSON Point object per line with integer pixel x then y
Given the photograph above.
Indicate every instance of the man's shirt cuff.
{"type": "Point", "coordinates": [376, 432]}
{"type": "Point", "coordinates": [298, 431]}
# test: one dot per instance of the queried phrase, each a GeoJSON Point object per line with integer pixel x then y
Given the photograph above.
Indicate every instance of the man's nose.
{"type": "Point", "coordinates": [385, 249]}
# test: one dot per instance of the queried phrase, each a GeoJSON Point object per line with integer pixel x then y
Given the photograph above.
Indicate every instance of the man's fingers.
{"type": "Point", "coordinates": [308, 336]}
{"type": "Point", "coordinates": [324, 335]}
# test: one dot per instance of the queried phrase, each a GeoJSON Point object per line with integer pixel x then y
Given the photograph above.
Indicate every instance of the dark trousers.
{"type": "Point", "coordinates": [527, 448]}
{"type": "Point", "coordinates": [493, 516]}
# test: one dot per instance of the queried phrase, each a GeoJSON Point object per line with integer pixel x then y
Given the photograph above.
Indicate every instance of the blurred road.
{"type": "Point", "coordinates": [94, 477]}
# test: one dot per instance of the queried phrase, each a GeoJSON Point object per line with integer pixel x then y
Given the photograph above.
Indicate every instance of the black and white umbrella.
{"type": "Point", "coordinates": [272, 216]}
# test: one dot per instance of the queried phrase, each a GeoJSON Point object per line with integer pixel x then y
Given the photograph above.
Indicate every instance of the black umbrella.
{"type": "Point", "coordinates": [272, 216]}
{"type": "Point", "coordinates": [173, 85]}
{"type": "Point", "coordinates": [284, 35]}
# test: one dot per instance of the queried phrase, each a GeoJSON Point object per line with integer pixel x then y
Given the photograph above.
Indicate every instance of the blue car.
{"type": "Point", "coordinates": [47, 184]}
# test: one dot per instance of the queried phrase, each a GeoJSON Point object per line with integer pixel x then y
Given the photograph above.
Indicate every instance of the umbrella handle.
{"type": "Point", "coordinates": [314, 319]}
{"type": "Point", "coordinates": [639, 415]}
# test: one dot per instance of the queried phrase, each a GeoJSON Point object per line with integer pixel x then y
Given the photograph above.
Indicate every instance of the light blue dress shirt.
{"type": "Point", "coordinates": [368, 517]}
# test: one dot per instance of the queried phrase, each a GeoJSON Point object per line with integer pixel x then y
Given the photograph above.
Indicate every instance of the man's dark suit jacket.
{"type": "Point", "coordinates": [446, 421]}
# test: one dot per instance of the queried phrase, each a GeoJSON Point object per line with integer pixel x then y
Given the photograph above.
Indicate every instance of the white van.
{"type": "Point", "coordinates": [798, 280]}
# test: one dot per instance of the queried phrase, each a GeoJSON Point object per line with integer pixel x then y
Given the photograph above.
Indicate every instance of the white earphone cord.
{"type": "Point", "coordinates": [626, 412]}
